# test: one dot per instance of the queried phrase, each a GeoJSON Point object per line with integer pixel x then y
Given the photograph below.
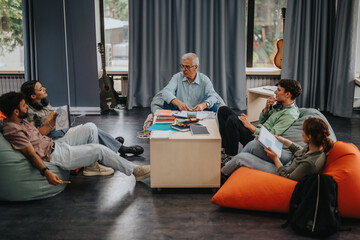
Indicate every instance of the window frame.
{"type": "Point", "coordinates": [250, 40]}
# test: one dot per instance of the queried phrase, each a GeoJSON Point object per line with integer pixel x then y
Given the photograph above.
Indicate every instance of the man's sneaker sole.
{"type": "Point", "coordinates": [142, 177]}
{"type": "Point", "coordinates": [89, 174]}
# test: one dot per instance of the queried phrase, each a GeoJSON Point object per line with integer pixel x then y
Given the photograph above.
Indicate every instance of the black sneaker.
{"type": "Point", "coordinates": [136, 150]}
{"type": "Point", "coordinates": [226, 159]}
{"type": "Point", "coordinates": [120, 139]}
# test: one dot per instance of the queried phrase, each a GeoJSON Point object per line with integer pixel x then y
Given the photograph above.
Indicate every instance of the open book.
{"type": "Point", "coordinates": [269, 140]}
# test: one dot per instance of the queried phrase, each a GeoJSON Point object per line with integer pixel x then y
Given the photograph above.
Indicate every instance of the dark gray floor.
{"type": "Point", "coordinates": [114, 207]}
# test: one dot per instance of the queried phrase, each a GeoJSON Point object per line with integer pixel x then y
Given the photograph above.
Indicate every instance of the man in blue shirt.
{"type": "Point", "coordinates": [190, 90]}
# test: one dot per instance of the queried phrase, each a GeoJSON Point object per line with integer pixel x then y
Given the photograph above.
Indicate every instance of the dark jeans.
{"type": "Point", "coordinates": [232, 131]}
{"type": "Point", "coordinates": [174, 107]}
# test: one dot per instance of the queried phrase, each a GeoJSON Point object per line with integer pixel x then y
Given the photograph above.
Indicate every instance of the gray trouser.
{"type": "Point", "coordinates": [81, 148]}
{"type": "Point", "coordinates": [104, 138]}
{"type": "Point", "coordinates": [108, 140]}
{"type": "Point", "coordinates": [254, 156]}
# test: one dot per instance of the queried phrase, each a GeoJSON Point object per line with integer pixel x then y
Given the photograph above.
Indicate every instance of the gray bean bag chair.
{"type": "Point", "coordinates": [158, 103]}
{"type": "Point", "coordinates": [294, 132]}
{"type": "Point", "coordinates": [20, 181]}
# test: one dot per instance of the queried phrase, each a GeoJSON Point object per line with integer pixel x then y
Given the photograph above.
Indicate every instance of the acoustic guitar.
{"type": "Point", "coordinates": [107, 94]}
{"type": "Point", "coordinates": [280, 44]}
{"type": "Point", "coordinates": [279, 53]}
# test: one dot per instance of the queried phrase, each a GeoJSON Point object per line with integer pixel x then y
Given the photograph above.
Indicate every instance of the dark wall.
{"type": "Point", "coordinates": [50, 48]}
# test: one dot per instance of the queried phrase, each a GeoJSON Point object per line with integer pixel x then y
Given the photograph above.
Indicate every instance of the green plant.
{"type": "Point", "coordinates": [11, 29]}
{"type": "Point", "coordinates": [117, 9]}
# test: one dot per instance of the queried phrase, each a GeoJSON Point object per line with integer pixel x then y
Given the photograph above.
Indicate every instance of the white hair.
{"type": "Point", "coordinates": [191, 56]}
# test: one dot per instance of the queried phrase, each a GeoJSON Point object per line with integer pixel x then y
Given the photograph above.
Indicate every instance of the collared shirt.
{"type": "Point", "coordinates": [23, 134]}
{"type": "Point", "coordinates": [37, 117]}
{"type": "Point", "coordinates": [199, 91]}
{"type": "Point", "coordinates": [278, 121]}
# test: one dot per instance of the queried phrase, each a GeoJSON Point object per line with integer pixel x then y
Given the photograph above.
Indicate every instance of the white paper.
{"type": "Point", "coordinates": [62, 120]}
{"type": "Point", "coordinates": [160, 134]}
{"type": "Point", "coordinates": [269, 140]}
{"type": "Point", "coordinates": [182, 114]}
{"type": "Point", "coordinates": [199, 115]}
{"type": "Point", "coordinates": [271, 88]}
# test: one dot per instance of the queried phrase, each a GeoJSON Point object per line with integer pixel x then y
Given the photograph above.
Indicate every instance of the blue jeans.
{"type": "Point", "coordinates": [81, 148]}
{"type": "Point", "coordinates": [254, 156]}
{"type": "Point", "coordinates": [174, 107]}
{"type": "Point", "coordinates": [104, 138]}
{"type": "Point", "coordinates": [55, 134]}
{"type": "Point", "coordinates": [108, 141]}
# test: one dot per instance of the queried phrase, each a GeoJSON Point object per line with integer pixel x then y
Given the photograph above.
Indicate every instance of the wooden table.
{"type": "Point", "coordinates": [185, 161]}
{"type": "Point", "coordinates": [256, 100]}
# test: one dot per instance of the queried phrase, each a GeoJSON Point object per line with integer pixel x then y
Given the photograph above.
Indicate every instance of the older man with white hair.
{"type": "Point", "coordinates": [190, 90]}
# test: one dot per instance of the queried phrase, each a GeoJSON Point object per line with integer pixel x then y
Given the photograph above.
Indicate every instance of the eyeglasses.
{"type": "Point", "coordinates": [187, 67]}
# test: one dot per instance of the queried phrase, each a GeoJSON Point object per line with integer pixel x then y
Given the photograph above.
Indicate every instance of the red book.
{"type": "Point", "coordinates": [165, 119]}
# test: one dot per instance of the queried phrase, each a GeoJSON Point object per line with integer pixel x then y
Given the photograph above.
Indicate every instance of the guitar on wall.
{"type": "Point", "coordinates": [280, 44]}
{"type": "Point", "coordinates": [107, 95]}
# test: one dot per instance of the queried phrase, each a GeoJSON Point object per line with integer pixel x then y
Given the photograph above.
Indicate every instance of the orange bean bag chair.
{"type": "Point", "coordinates": [2, 116]}
{"type": "Point", "coordinates": [256, 190]}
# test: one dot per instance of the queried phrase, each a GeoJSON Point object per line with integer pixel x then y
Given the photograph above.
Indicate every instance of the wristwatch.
{"type": "Point", "coordinates": [42, 171]}
{"type": "Point", "coordinates": [207, 104]}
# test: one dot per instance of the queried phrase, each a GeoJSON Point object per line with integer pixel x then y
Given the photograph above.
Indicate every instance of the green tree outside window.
{"type": "Point", "coordinates": [11, 26]}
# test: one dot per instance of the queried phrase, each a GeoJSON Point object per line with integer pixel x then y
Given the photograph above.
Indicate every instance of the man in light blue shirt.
{"type": "Point", "coordinates": [189, 90]}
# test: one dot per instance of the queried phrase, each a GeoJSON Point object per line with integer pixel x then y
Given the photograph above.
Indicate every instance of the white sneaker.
{"type": "Point", "coordinates": [97, 170]}
{"type": "Point", "coordinates": [141, 172]}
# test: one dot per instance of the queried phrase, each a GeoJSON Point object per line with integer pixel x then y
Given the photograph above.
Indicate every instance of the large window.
{"type": "Point", "coordinates": [264, 23]}
{"type": "Point", "coordinates": [11, 36]}
{"type": "Point", "coordinates": [116, 24]}
{"type": "Point", "coordinates": [265, 28]}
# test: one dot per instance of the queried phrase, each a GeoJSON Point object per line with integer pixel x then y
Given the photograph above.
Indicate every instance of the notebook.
{"type": "Point", "coordinates": [198, 130]}
{"type": "Point", "coordinates": [181, 128]}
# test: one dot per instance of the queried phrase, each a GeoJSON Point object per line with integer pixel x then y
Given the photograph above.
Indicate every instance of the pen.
{"type": "Point", "coordinates": [66, 181]}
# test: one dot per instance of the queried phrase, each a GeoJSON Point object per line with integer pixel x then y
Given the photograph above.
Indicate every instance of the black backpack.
{"type": "Point", "coordinates": [314, 206]}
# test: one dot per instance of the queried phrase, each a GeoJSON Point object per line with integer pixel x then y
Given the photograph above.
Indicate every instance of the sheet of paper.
{"type": "Point", "coordinates": [62, 120]}
{"type": "Point", "coordinates": [271, 88]}
{"type": "Point", "coordinates": [199, 115]}
{"type": "Point", "coordinates": [269, 140]}
{"type": "Point", "coordinates": [206, 114]}
{"type": "Point", "coordinates": [182, 114]}
{"type": "Point", "coordinates": [160, 134]}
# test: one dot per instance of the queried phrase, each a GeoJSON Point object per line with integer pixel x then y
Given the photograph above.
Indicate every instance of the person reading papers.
{"type": "Point", "coordinates": [78, 148]}
{"type": "Point", "coordinates": [306, 160]}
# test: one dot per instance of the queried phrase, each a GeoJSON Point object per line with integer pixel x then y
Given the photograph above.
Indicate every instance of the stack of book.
{"type": "Point", "coordinates": [187, 121]}
{"type": "Point", "coordinates": [161, 119]}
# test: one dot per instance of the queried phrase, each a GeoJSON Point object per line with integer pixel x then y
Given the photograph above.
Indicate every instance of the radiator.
{"type": "Point", "coordinates": [253, 81]}
{"type": "Point", "coordinates": [11, 82]}
{"type": "Point", "coordinates": [121, 85]}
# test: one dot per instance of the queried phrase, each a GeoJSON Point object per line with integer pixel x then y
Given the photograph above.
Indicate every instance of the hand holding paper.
{"type": "Point", "coordinates": [62, 120]}
{"type": "Point", "coordinates": [271, 153]}
{"type": "Point", "coordinates": [269, 141]}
